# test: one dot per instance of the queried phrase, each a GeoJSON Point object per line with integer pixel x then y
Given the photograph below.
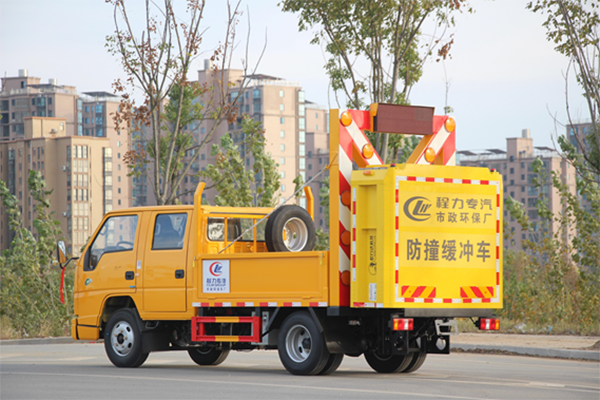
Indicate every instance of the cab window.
{"type": "Point", "coordinates": [117, 234]}
{"type": "Point", "coordinates": [169, 231]}
{"type": "Point", "coordinates": [235, 227]}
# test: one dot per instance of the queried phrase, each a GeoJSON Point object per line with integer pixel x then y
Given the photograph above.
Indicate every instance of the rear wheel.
{"type": "Point", "coordinates": [301, 345]}
{"type": "Point", "coordinates": [389, 364]}
{"type": "Point", "coordinates": [416, 363]}
{"type": "Point", "coordinates": [332, 364]}
{"type": "Point", "coordinates": [123, 340]}
{"type": "Point", "coordinates": [208, 355]}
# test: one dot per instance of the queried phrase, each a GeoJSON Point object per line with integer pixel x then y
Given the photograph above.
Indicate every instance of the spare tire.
{"type": "Point", "coordinates": [290, 228]}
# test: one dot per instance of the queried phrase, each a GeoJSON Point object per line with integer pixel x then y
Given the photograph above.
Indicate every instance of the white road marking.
{"type": "Point", "coordinates": [3, 356]}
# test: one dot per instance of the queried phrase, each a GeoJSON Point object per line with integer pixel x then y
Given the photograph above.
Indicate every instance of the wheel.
{"type": "Point", "coordinates": [208, 355]}
{"type": "Point", "coordinates": [123, 340]}
{"type": "Point", "coordinates": [301, 346]}
{"type": "Point", "coordinates": [333, 363]}
{"type": "Point", "coordinates": [389, 364]}
{"type": "Point", "coordinates": [416, 363]}
{"type": "Point", "coordinates": [290, 228]}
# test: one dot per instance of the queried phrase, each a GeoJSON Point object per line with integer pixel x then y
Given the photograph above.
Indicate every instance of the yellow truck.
{"type": "Point", "coordinates": [412, 247]}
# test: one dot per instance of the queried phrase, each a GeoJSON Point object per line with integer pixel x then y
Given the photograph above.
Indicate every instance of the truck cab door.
{"type": "Point", "coordinates": [109, 266]}
{"type": "Point", "coordinates": [164, 267]}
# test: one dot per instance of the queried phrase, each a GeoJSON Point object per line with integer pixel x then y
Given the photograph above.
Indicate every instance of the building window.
{"type": "Point", "coordinates": [282, 161]}
{"type": "Point", "coordinates": [301, 163]}
{"type": "Point", "coordinates": [282, 120]}
{"type": "Point", "coordinates": [87, 108]}
{"type": "Point", "coordinates": [283, 188]}
{"type": "Point", "coordinates": [301, 136]}
{"type": "Point", "coordinates": [282, 174]}
{"type": "Point", "coordinates": [300, 96]}
{"type": "Point", "coordinates": [281, 133]}
{"type": "Point", "coordinates": [282, 147]}
{"type": "Point", "coordinates": [301, 150]}
{"type": "Point", "coordinates": [512, 170]}
{"type": "Point", "coordinates": [301, 110]}
{"type": "Point", "coordinates": [98, 108]}
{"type": "Point", "coordinates": [301, 123]}
{"type": "Point", "coordinates": [281, 93]}
{"type": "Point", "coordinates": [256, 94]}
{"type": "Point", "coordinates": [281, 107]}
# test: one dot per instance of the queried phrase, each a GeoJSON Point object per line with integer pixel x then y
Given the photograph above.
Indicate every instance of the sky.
{"type": "Point", "coordinates": [504, 76]}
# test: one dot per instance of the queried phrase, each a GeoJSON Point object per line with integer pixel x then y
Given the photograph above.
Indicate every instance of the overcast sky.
{"type": "Point", "coordinates": [504, 75]}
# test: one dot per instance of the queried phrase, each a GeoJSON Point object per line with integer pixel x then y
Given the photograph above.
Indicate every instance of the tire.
{"type": "Point", "coordinates": [416, 363]}
{"type": "Point", "coordinates": [301, 346]}
{"type": "Point", "coordinates": [123, 340]}
{"type": "Point", "coordinates": [390, 364]}
{"type": "Point", "coordinates": [290, 228]}
{"type": "Point", "coordinates": [208, 355]}
{"type": "Point", "coordinates": [332, 364]}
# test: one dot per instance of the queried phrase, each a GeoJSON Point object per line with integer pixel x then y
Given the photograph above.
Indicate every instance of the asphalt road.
{"type": "Point", "coordinates": [82, 371]}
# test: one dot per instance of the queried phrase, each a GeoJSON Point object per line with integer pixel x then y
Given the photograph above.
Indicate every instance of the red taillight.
{"type": "Point", "coordinates": [489, 324]}
{"type": "Point", "coordinates": [403, 324]}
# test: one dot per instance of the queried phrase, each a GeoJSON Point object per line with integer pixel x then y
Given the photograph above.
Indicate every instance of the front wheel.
{"type": "Point", "coordinates": [208, 355]}
{"type": "Point", "coordinates": [123, 340]}
{"type": "Point", "coordinates": [301, 346]}
{"type": "Point", "coordinates": [389, 364]}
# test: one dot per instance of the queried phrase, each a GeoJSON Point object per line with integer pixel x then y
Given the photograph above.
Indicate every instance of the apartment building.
{"type": "Point", "coordinates": [281, 108]}
{"type": "Point", "coordinates": [25, 96]}
{"type": "Point", "coordinates": [74, 168]}
{"type": "Point", "coordinates": [317, 156]}
{"type": "Point", "coordinates": [515, 165]}
{"type": "Point", "coordinates": [71, 140]}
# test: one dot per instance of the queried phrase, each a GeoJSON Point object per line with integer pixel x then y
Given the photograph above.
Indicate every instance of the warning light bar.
{"type": "Point", "coordinates": [403, 324]}
{"type": "Point", "coordinates": [488, 324]}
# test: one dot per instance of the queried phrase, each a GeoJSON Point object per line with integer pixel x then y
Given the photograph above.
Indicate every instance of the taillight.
{"type": "Point", "coordinates": [489, 324]}
{"type": "Point", "coordinates": [403, 324]}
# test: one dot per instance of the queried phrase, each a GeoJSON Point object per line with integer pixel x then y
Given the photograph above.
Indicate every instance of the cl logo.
{"type": "Point", "coordinates": [416, 208]}
{"type": "Point", "coordinates": [216, 269]}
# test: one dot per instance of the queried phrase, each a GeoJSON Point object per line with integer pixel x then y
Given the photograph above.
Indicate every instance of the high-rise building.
{"type": "Point", "coordinates": [71, 140]}
{"type": "Point", "coordinates": [515, 165]}
{"type": "Point", "coordinates": [281, 108]}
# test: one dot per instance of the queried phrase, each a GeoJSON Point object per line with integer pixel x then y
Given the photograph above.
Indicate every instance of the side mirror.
{"type": "Point", "coordinates": [61, 253]}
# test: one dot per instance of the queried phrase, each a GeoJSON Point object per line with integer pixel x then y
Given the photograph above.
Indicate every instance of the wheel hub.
{"type": "Point", "coordinates": [298, 343]}
{"type": "Point", "coordinates": [295, 234]}
{"type": "Point", "coordinates": [122, 338]}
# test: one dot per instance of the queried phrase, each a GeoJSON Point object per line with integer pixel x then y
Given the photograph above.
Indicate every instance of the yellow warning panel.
{"type": "Point", "coordinates": [431, 238]}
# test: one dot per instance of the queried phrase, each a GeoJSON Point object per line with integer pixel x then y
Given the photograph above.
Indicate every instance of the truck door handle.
{"type": "Point", "coordinates": [129, 275]}
{"type": "Point", "coordinates": [179, 274]}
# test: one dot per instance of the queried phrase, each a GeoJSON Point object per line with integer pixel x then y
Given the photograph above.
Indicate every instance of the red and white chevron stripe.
{"type": "Point", "coordinates": [352, 141]}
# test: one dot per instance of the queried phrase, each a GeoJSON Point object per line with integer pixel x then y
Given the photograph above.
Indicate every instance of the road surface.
{"type": "Point", "coordinates": [78, 371]}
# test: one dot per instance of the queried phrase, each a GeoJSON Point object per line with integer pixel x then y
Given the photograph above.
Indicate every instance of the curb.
{"type": "Point", "coordinates": [532, 351]}
{"type": "Point", "coordinates": [51, 340]}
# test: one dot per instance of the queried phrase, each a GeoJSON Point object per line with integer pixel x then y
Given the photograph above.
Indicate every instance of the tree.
{"type": "Point", "coordinates": [236, 185]}
{"type": "Point", "coordinates": [557, 276]}
{"type": "Point", "coordinates": [157, 63]}
{"type": "Point", "coordinates": [383, 34]}
{"type": "Point", "coordinates": [30, 295]}
{"type": "Point", "coordinates": [573, 26]}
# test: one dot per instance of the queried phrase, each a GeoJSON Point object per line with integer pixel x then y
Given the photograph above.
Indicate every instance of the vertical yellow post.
{"type": "Point", "coordinates": [334, 208]}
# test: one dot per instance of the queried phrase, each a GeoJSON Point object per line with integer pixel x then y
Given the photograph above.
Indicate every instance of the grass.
{"type": "Point", "coordinates": [6, 329]}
